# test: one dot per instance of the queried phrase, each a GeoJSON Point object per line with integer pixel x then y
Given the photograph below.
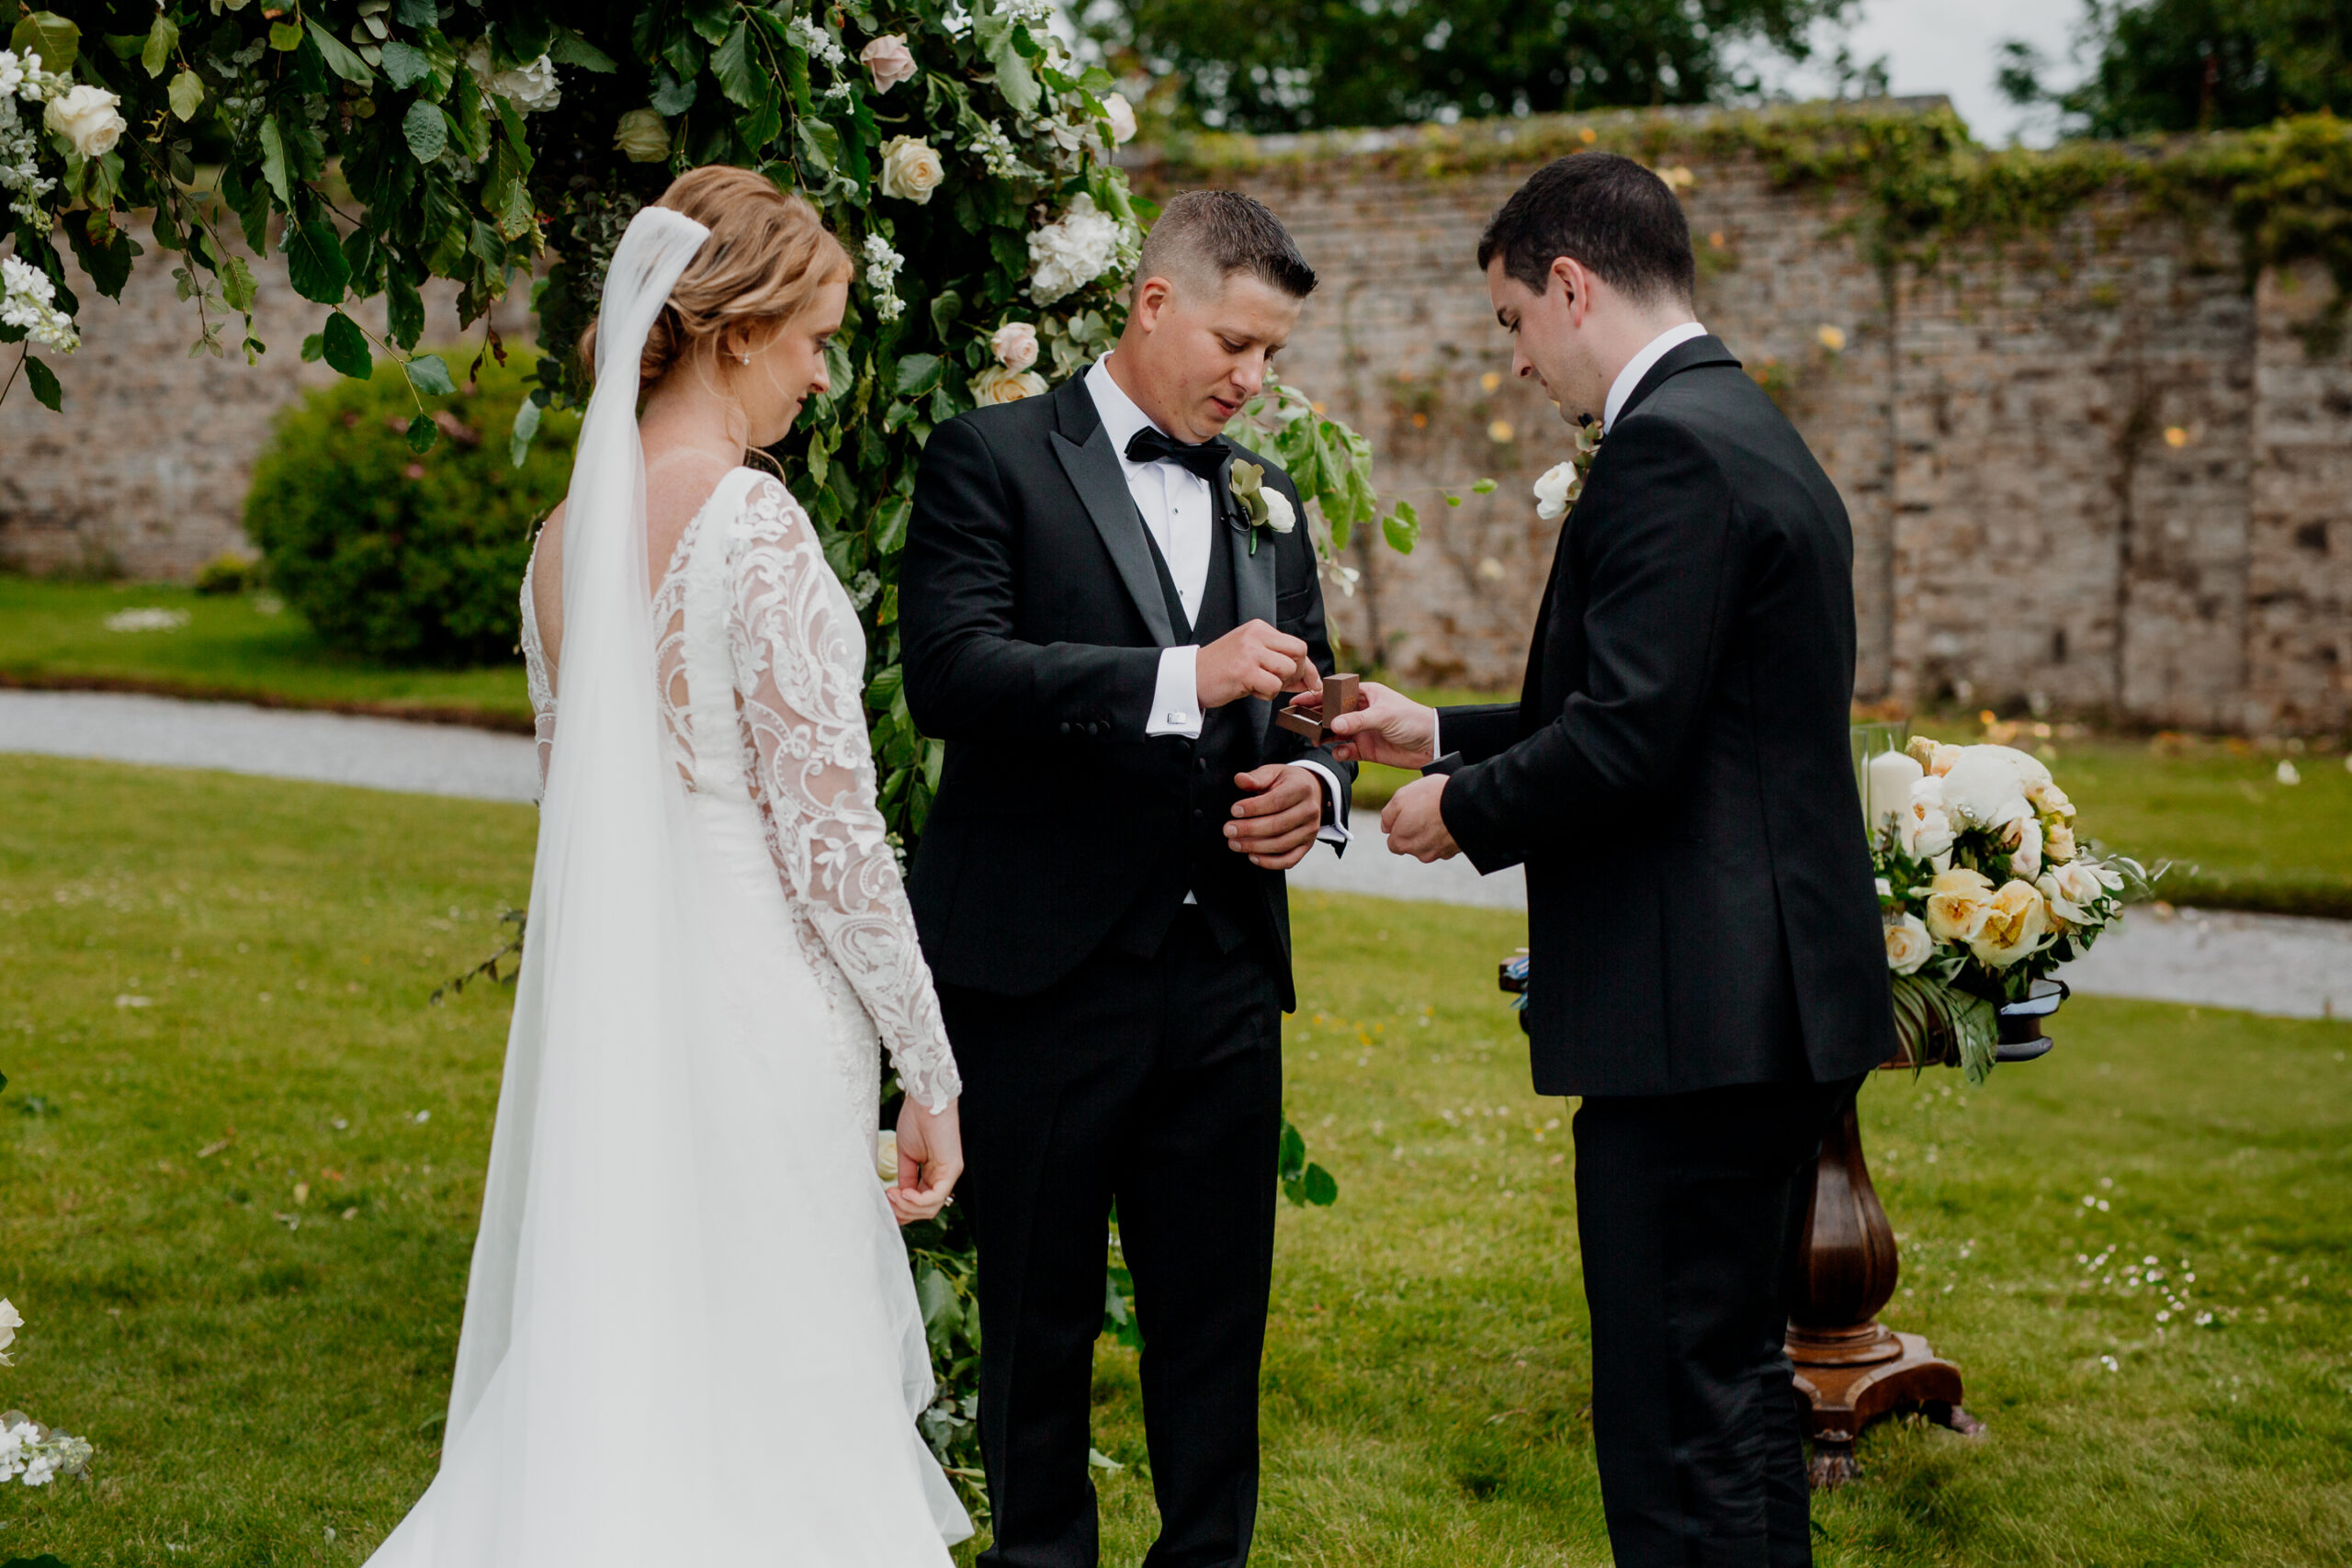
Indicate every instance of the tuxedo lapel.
{"type": "Point", "coordinates": [1253, 571]}
{"type": "Point", "coordinates": [1102, 484]}
{"type": "Point", "coordinates": [1707, 350]}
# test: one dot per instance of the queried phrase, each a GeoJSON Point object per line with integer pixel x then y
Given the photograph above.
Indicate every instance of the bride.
{"type": "Point", "coordinates": [690, 1335]}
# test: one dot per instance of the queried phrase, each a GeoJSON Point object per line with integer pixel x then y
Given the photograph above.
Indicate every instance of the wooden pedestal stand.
{"type": "Point", "coordinates": [1851, 1369]}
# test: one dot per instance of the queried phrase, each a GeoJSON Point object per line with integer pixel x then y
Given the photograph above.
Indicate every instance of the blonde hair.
{"type": "Point", "coordinates": [768, 255]}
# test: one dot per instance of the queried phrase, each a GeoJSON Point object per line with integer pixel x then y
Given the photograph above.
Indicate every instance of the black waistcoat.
{"type": "Point", "coordinates": [1194, 858]}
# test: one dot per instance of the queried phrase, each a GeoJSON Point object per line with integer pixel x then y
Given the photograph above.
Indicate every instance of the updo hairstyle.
{"type": "Point", "coordinates": [768, 255]}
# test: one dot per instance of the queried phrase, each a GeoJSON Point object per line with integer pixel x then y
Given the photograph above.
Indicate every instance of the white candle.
{"type": "Point", "coordinates": [1890, 775]}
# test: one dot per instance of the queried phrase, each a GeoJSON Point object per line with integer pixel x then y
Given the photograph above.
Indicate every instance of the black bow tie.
{"type": "Point", "coordinates": [1148, 445]}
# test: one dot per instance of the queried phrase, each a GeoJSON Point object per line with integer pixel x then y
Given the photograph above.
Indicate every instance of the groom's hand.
{"type": "Point", "coordinates": [1385, 726]}
{"type": "Point", "coordinates": [1252, 660]}
{"type": "Point", "coordinates": [1413, 823]}
{"type": "Point", "coordinates": [1275, 820]}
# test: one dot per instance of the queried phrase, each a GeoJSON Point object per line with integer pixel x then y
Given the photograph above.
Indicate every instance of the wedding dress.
{"type": "Point", "coordinates": [690, 1333]}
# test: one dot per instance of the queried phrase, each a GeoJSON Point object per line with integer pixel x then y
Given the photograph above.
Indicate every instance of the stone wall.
{"type": "Point", "coordinates": [144, 474]}
{"type": "Point", "coordinates": [2089, 468]}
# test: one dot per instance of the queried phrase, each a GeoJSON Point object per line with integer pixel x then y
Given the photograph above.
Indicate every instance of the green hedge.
{"type": "Point", "coordinates": [395, 557]}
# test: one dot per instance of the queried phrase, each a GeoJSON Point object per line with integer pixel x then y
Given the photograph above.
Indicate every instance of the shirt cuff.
{"type": "Point", "coordinates": [1176, 700]}
{"type": "Point", "coordinates": [1334, 830]}
{"type": "Point", "coordinates": [1437, 749]}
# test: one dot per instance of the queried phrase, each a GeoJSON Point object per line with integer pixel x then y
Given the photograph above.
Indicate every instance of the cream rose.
{"type": "Point", "coordinates": [1958, 903]}
{"type": "Point", "coordinates": [887, 60]}
{"type": "Point", "coordinates": [642, 137]}
{"type": "Point", "coordinates": [1908, 945]}
{"type": "Point", "coordinates": [2075, 888]}
{"type": "Point", "coordinates": [1002, 385]}
{"type": "Point", "coordinates": [911, 169]}
{"type": "Point", "coordinates": [2047, 799]}
{"type": "Point", "coordinates": [90, 118]}
{"type": "Point", "coordinates": [2013, 927]}
{"type": "Point", "coordinates": [885, 1157]}
{"type": "Point", "coordinates": [2024, 843]}
{"type": "Point", "coordinates": [11, 1320]}
{"type": "Point", "coordinates": [1552, 492]}
{"type": "Point", "coordinates": [2057, 842]}
{"type": "Point", "coordinates": [1014, 345]}
{"type": "Point", "coordinates": [1123, 119]}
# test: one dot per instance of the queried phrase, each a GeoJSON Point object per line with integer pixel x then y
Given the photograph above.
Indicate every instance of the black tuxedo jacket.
{"type": "Point", "coordinates": [1676, 775]}
{"type": "Point", "coordinates": [1033, 610]}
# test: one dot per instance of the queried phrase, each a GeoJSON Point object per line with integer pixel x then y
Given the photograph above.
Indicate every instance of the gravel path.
{"type": "Point", "coordinates": [2270, 964]}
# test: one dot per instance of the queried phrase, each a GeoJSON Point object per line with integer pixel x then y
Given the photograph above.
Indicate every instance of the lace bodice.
{"type": "Point", "coordinates": [762, 661]}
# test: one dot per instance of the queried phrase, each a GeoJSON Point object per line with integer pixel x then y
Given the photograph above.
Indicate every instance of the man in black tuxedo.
{"type": "Point", "coordinates": [1707, 967]}
{"type": "Point", "coordinates": [1100, 634]}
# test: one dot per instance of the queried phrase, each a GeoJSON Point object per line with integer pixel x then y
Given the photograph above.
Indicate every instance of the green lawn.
{"type": "Point", "coordinates": [56, 633]}
{"type": "Point", "coordinates": [257, 1369]}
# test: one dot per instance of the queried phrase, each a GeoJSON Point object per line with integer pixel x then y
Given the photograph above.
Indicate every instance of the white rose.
{"type": "Point", "coordinates": [1552, 492]}
{"type": "Point", "coordinates": [11, 1320]}
{"type": "Point", "coordinates": [1926, 832]}
{"type": "Point", "coordinates": [2075, 888]}
{"type": "Point", "coordinates": [2049, 799]}
{"type": "Point", "coordinates": [642, 137]}
{"type": "Point", "coordinates": [885, 1157]}
{"type": "Point", "coordinates": [887, 60]}
{"type": "Point", "coordinates": [1280, 516]}
{"type": "Point", "coordinates": [529, 88]}
{"type": "Point", "coordinates": [1986, 785]}
{"type": "Point", "coordinates": [1002, 385]}
{"type": "Point", "coordinates": [1014, 345]}
{"type": "Point", "coordinates": [911, 170]}
{"type": "Point", "coordinates": [2024, 840]}
{"type": "Point", "coordinates": [2013, 927]}
{"type": "Point", "coordinates": [1123, 119]}
{"type": "Point", "coordinates": [89, 118]}
{"type": "Point", "coordinates": [1908, 945]}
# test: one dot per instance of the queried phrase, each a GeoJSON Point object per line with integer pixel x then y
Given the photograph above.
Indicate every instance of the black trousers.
{"type": "Point", "coordinates": [1155, 1082]}
{"type": "Point", "coordinates": [1690, 1208]}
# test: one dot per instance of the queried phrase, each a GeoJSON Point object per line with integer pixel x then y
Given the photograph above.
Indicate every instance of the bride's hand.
{"type": "Point", "coordinates": [931, 1157]}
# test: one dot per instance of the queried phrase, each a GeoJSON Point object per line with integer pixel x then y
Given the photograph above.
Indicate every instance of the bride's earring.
{"type": "Point", "coordinates": [745, 356]}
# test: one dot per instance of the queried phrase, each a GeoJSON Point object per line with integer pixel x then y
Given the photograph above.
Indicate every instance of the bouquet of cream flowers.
{"type": "Point", "coordinates": [1984, 889]}
{"type": "Point", "coordinates": [30, 1453]}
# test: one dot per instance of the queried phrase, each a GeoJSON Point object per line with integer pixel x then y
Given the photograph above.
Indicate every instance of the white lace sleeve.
{"type": "Point", "coordinates": [536, 678]}
{"type": "Point", "coordinates": [799, 671]}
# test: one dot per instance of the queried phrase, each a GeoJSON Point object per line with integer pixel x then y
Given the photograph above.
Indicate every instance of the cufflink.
{"type": "Point", "coordinates": [1173, 717]}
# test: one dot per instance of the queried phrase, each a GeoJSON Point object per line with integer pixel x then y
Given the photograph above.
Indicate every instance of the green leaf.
{"type": "Point", "coordinates": [526, 426]}
{"type": "Point", "coordinates": [272, 161]}
{"type": "Point", "coordinates": [162, 39]}
{"type": "Point", "coordinates": [405, 64]}
{"type": "Point", "coordinates": [429, 374]}
{"type": "Point", "coordinates": [186, 94]}
{"type": "Point", "coordinates": [285, 36]}
{"type": "Point", "coordinates": [346, 348]}
{"type": "Point", "coordinates": [1402, 528]}
{"type": "Point", "coordinates": [890, 523]}
{"type": "Point", "coordinates": [421, 433]}
{"type": "Point", "coordinates": [673, 96]}
{"type": "Point", "coordinates": [1320, 1188]}
{"type": "Point", "coordinates": [51, 36]}
{"type": "Point", "coordinates": [1292, 1160]}
{"type": "Point", "coordinates": [731, 63]}
{"type": "Point", "coordinates": [404, 307]}
{"type": "Point", "coordinates": [570, 49]}
{"type": "Point", "coordinates": [917, 374]}
{"type": "Point", "coordinates": [315, 264]}
{"type": "Point", "coordinates": [1483, 487]}
{"type": "Point", "coordinates": [43, 382]}
{"type": "Point", "coordinates": [237, 283]}
{"type": "Point", "coordinates": [340, 57]}
{"type": "Point", "coordinates": [314, 348]}
{"type": "Point", "coordinates": [426, 130]}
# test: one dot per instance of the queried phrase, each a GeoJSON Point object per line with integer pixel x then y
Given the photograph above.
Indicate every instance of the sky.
{"type": "Point", "coordinates": [1952, 46]}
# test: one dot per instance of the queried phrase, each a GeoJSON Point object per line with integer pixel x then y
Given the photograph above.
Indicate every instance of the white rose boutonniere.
{"type": "Point", "coordinates": [1557, 489]}
{"type": "Point", "coordinates": [1263, 507]}
{"type": "Point", "coordinates": [911, 169]}
{"type": "Point", "coordinates": [90, 118]}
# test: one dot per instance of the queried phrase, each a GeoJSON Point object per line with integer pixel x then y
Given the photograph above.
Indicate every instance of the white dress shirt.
{"type": "Point", "coordinates": [1177, 508]}
{"type": "Point", "coordinates": [1620, 390]}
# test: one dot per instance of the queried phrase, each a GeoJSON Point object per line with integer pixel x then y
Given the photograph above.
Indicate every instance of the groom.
{"type": "Point", "coordinates": [1098, 635]}
{"type": "Point", "coordinates": [1707, 969]}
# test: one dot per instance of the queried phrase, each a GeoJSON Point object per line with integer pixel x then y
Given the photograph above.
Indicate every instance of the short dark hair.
{"type": "Point", "coordinates": [1608, 212]}
{"type": "Point", "coordinates": [1223, 233]}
